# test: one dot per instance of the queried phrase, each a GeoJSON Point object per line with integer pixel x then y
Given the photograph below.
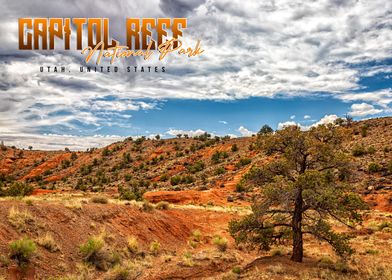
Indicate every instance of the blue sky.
{"type": "Point", "coordinates": [276, 62]}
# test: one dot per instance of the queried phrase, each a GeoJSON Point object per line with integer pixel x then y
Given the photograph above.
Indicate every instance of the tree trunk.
{"type": "Point", "coordinates": [298, 250]}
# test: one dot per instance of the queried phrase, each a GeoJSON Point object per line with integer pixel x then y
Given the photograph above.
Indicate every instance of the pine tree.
{"type": "Point", "coordinates": [305, 188]}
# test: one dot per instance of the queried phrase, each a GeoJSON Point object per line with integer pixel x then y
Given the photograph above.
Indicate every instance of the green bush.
{"type": "Point", "coordinates": [22, 250]}
{"type": "Point", "coordinates": [220, 243]}
{"type": "Point", "coordinates": [91, 249]}
{"type": "Point", "coordinates": [243, 162]}
{"type": "Point", "coordinates": [220, 170]}
{"type": "Point", "coordinates": [234, 148]}
{"type": "Point", "coordinates": [175, 180]}
{"type": "Point", "coordinates": [196, 167]}
{"type": "Point", "coordinates": [358, 150]}
{"type": "Point", "coordinates": [155, 248]}
{"type": "Point", "coordinates": [18, 189]}
{"type": "Point", "coordinates": [374, 167]}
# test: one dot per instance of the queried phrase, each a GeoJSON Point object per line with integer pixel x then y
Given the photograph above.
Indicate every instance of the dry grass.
{"type": "Point", "coordinates": [20, 219]}
{"type": "Point", "coordinates": [47, 241]}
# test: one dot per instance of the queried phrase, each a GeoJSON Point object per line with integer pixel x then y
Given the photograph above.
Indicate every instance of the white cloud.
{"type": "Point", "coordinates": [324, 120]}
{"type": "Point", "coordinates": [292, 117]}
{"type": "Point", "coordinates": [306, 117]}
{"type": "Point", "coordinates": [58, 142]}
{"type": "Point", "coordinates": [381, 97]}
{"type": "Point", "coordinates": [191, 133]}
{"type": "Point", "coordinates": [363, 109]}
{"type": "Point", "coordinates": [245, 132]}
{"type": "Point", "coordinates": [223, 122]}
{"type": "Point", "coordinates": [282, 125]}
{"type": "Point", "coordinates": [327, 119]}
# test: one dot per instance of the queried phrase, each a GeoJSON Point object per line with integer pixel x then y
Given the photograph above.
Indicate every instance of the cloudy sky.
{"type": "Point", "coordinates": [276, 62]}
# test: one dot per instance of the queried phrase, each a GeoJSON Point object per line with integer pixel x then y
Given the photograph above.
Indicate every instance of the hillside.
{"type": "Point", "coordinates": [193, 184]}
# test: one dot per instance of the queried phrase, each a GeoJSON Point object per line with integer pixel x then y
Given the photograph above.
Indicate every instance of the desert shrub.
{"type": "Point", "coordinates": [220, 170]}
{"type": "Point", "coordinates": [18, 189]}
{"type": "Point", "coordinates": [275, 269]}
{"type": "Point", "coordinates": [22, 251]}
{"type": "Point", "coordinates": [243, 162]}
{"type": "Point", "coordinates": [99, 199]}
{"type": "Point", "coordinates": [162, 205]}
{"type": "Point", "coordinates": [384, 225]}
{"type": "Point", "coordinates": [371, 150]}
{"type": "Point", "coordinates": [47, 241]}
{"type": "Point", "coordinates": [358, 150]}
{"type": "Point", "coordinates": [106, 152]}
{"type": "Point", "coordinates": [277, 252]}
{"type": "Point", "coordinates": [389, 167]}
{"type": "Point", "coordinates": [133, 192]}
{"type": "Point", "coordinates": [132, 244]}
{"type": "Point", "coordinates": [196, 235]}
{"type": "Point", "coordinates": [164, 177]}
{"type": "Point", "coordinates": [147, 206]}
{"type": "Point", "coordinates": [364, 130]}
{"type": "Point", "coordinates": [94, 252]}
{"type": "Point", "coordinates": [240, 187]}
{"type": "Point", "coordinates": [236, 270]}
{"type": "Point", "coordinates": [187, 259]}
{"type": "Point", "coordinates": [196, 167]}
{"type": "Point", "coordinates": [234, 148]}
{"type": "Point", "coordinates": [218, 156]}
{"type": "Point", "coordinates": [175, 180]}
{"type": "Point", "coordinates": [374, 167]}
{"type": "Point", "coordinates": [220, 243]}
{"type": "Point", "coordinates": [155, 247]}
{"type": "Point", "coordinates": [19, 219]}
{"type": "Point", "coordinates": [125, 271]}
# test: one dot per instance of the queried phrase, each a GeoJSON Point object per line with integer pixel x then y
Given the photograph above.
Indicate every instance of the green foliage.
{"type": "Point", "coordinates": [358, 150]}
{"type": "Point", "coordinates": [303, 189]}
{"type": "Point", "coordinates": [178, 179]}
{"type": "Point", "coordinates": [234, 148]}
{"type": "Point", "coordinates": [364, 130]}
{"type": "Point", "coordinates": [220, 170]}
{"type": "Point", "coordinates": [134, 191]}
{"type": "Point", "coordinates": [196, 167]}
{"type": "Point", "coordinates": [22, 250]}
{"type": "Point", "coordinates": [265, 129]}
{"type": "Point", "coordinates": [243, 162]}
{"type": "Point", "coordinates": [16, 189]}
{"type": "Point", "coordinates": [218, 156]}
{"type": "Point", "coordinates": [92, 248]}
{"type": "Point", "coordinates": [374, 167]}
{"type": "Point", "coordinates": [175, 180]}
{"type": "Point", "coordinates": [106, 152]}
{"type": "Point", "coordinates": [155, 247]}
{"type": "Point", "coordinates": [220, 243]}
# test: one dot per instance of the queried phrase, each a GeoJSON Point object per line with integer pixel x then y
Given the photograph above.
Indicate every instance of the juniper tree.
{"type": "Point", "coordinates": [304, 188]}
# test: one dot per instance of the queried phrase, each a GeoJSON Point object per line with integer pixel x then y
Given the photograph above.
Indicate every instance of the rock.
{"type": "Point", "coordinates": [230, 198]}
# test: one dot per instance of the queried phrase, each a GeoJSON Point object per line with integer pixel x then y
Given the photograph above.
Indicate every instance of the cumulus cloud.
{"type": "Point", "coordinates": [306, 117]}
{"type": "Point", "coordinates": [282, 125]}
{"type": "Point", "coordinates": [363, 109]}
{"type": "Point", "coordinates": [58, 142]}
{"type": "Point", "coordinates": [190, 133]}
{"type": "Point", "coordinates": [292, 117]}
{"type": "Point", "coordinates": [223, 122]}
{"type": "Point", "coordinates": [245, 132]}
{"type": "Point", "coordinates": [327, 119]}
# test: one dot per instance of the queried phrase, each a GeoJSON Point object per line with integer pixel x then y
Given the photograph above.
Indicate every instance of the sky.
{"type": "Point", "coordinates": [278, 62]}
